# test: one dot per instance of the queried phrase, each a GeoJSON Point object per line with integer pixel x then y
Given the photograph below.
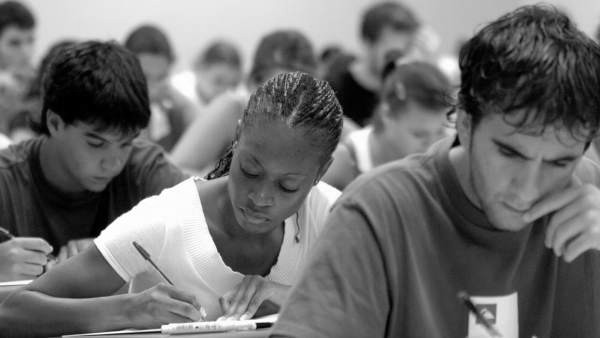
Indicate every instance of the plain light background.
{"type": "Point", "coordinates": [191, 24]}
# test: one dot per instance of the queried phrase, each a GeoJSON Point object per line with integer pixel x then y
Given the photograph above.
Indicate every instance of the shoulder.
{"type": "Point", "coordinates": [145, 153]}
{"type": "Point", "coordinates": [18, 153]}
{"type": "Point", "coordinates": [149, 167]}
{"type": "Point", "coordinates": [395, 185]}
{"type": "Point", "coordinates": [231, 102]}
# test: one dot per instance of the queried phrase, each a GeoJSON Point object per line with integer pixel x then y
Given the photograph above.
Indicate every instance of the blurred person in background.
{"type": "Point", "coordinates": [408, 119]}
{"type": "Point", "coordinates": [217, 69]}
{"type": "Point", "coordinates": [17, 25]}
{"type": "Point", "coordinates": [171, 111]}
{"type": "Point", "coordinates": [388, 30]}
{"type": "Point", "coordinates": [211, 134]}
{"type": "Point", "coordinates": [20, 125]}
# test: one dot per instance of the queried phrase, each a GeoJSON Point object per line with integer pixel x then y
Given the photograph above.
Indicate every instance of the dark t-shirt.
{"type": "Point", "coordinates": [357, 101]}
{"type": "Point", "coordinates": [404, 239]}
{"type": "Point", "coordinates": [31, 206]}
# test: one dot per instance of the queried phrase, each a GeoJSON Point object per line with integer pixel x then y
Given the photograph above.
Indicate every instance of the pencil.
{"type": "Point", "coordinates": [491, 329]}
{"type": "Point", "coordinates": [147, 257]}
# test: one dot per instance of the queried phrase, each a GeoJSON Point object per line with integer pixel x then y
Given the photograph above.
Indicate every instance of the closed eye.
{"type": "Point", "coordinates": [248, 173]}
{"type": "Point", "coordinates": [510, 153]}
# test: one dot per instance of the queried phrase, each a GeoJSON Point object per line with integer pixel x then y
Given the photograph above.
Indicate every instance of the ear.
{"type": "Point", "coordinates": [54, 123]}
{"type": "Point", "coordinates": [464, 128]}
{"type": "Point", "coordinates": [323, 169]}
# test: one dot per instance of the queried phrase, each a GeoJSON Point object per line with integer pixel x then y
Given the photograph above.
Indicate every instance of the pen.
{"type": "Point", "coordinates": [146, 256]}
{"type": "Point", "coordinates": [491, 329]}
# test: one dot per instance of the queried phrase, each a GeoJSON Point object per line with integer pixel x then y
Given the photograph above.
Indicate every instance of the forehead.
{"type": "Point", "coordinates": [14, 32]}
{"type": "Point", "coordinates": [154, 64]}
{"type": "Point", "coordinates": [390, 38]}
{"type": "Point", "coordinates": [554, 141]}
{"type": "Point", "coordinates": [415, 115]}
{"type": "Point", "coordinates": [109, 134]}
{"type": "Point", "coordinates": [279, 147]}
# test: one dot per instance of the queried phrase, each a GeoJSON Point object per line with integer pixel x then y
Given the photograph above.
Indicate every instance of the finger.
{"type": "Point", "coordinates": [182, 296]}
{"type": "Point", "coordinates": [235, 296]}
{"type": "Point", "coordinates": [578, 246]}
{"type": "Point", "coordinates": [72, 249]}
{"type": "Point", "coordinates": [241, 305]}
{"type": "Point", "coordinates": [181, 308]}
{"type": "Point", "coordinates": [566, 231]}
{"type": "Point", "coordinates": [558, 218]}
{"type": "Point", "coordinates": [224, 303]}
{"type": "Point", "coordinates": [253, 305]}
{"type": "Point", "coordinates": [551, 203]}
{"type": "Point", "coordinates": [83, 244]}
{"type": "Point", "coordinates": [62, 254]}
{"type": "Point", "coordinates": [29, 270]}
{"type": "Point", "coordinates": [32, 257]}
{"type": "Point", "coordinates": [34, 243]}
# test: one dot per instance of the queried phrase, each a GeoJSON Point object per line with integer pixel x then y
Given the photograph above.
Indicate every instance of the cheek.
{"type": "Point", "coordinates": [492, 175]}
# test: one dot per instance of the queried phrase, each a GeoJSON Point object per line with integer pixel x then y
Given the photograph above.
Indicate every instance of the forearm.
{"type": "Point", "coordinates": [31, 313]}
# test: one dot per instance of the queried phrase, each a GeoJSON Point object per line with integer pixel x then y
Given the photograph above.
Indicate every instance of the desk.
{"type": "Point", "coordinates": [261, 333]}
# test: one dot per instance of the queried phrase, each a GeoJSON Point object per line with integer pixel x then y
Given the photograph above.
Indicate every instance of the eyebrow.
{"type": "Point", "coordinates": [121, 140]}
{"type": "Point", "coordinates": [257, 162]}
{"type": "Point", "coordinates": [566, 158]}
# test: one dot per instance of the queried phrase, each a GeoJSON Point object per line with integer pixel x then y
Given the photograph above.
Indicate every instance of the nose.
{"type": "Point", "coordinates": [112, 163]}
{"type": "Point", "coordinates": [262, 197]}
{"type": "Point", "coordinates": [527, 186]}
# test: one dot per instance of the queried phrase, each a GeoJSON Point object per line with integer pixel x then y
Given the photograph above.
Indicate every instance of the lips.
{"type": "Point", "coordinates": [253, 216]}
{"type": "Point", "coordinates": [515, 210]}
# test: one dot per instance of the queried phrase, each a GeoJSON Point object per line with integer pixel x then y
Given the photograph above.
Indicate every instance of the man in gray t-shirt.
{"type": "Point", "coordinates": [508, 211]}
{"type": "Point", "coordinates": [59, 191]}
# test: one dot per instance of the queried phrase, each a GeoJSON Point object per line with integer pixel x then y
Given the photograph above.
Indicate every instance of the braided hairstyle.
{"type": "Point", "coordinates": [300, 101]}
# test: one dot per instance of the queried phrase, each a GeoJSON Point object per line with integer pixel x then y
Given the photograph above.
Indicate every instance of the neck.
{"type": "Point", "coordinates": [53, 169]}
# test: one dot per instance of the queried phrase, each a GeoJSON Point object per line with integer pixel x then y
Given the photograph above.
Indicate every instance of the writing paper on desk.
{"type": "Point", "coordinates": [16, 282]}
{"type": "Point", "coordinates": [194, 327]}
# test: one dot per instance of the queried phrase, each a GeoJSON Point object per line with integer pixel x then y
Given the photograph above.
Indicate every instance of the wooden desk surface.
{"type": "Point", "coordinates": [261, 333]}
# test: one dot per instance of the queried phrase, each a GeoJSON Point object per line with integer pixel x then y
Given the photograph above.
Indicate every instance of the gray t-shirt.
{"type": "Point", "coordinates": [403, 240]}
{"type": "Point", "coordinates": [31, 206]}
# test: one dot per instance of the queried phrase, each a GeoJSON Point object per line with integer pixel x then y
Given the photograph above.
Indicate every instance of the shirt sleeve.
{"type": "Point", "coordinates": [144, 224]}
{"type": "Point", "coordinates": [343, 291]}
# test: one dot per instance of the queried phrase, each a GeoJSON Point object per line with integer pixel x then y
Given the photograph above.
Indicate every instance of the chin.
{"type": "Point", "coordinates": [95, 187]}
{"type": "Point", "coordinates": [505, 220]}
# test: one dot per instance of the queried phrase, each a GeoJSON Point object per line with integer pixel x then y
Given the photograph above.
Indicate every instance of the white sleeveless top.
{"type": "Point", "coordinates": [172, 228]}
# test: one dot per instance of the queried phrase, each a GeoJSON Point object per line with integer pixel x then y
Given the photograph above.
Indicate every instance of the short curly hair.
{"type": "Point", "coordinates": [533, 59]}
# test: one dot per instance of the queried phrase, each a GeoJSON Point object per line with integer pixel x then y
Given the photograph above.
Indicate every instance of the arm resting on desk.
{"type": "Point", "coordinates": [75, 297]}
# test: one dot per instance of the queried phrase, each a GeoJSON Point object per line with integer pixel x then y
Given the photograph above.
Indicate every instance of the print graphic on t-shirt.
{"type": "Point", "coordinates": [488, 311]}
{"type": "Point", "coordinates": [501, 311]}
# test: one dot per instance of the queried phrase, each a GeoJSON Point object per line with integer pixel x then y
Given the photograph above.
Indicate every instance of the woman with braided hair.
{"type": "Point", "coordinates": [228, 245]}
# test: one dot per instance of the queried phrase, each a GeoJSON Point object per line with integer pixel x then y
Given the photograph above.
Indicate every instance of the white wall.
{"type": "Point", "coordinates": [191, 24]}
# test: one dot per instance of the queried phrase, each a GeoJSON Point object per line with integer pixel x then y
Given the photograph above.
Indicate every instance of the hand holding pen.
{"type": "Point", "coordinates": [163, 303]}
{"type": "Point", "coordinates": [23, 257]}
